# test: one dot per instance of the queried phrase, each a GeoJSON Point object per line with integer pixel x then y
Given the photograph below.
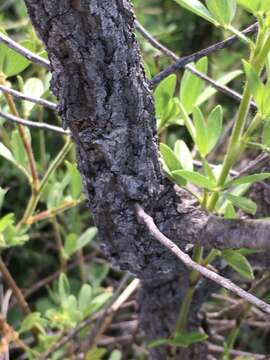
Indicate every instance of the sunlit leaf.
{"type": "Point", "coordinates": [197, 8]}
{"type": "Point", "coordinates": [238, 262]}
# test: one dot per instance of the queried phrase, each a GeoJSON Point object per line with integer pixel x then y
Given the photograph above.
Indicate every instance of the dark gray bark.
{"type": "Point", "coordinates": [105, 101]}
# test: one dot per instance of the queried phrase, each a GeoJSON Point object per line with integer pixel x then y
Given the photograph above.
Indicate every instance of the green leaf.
{"type": "Point", "coordinates": [63, 287]}
{"type": "Point", "coordinates": [18, 149]}
{"type": "Point", "coordinates": [201, 132]}
{"type": "Point", "coordinates": [192, 86]}
{"type": "Point", "coordinates": [3, 51]}
{"type": "Point", "coordinates": [70, 244]}
{"type": "Point", "coordinates": [85, 296]}
{"type": "Point", "coordinates": [243, 203]}
{"type": "Point", "coordinates": [266, 100]}
{"type": "Point", "coordinates": [255, 84]}
{"type": "Point", "coordinates": [196, 179]}
{"type": "Point", "coordinates": [180, 340]}
{"type": "Point", "coordinates": [32, 87]}
{"type": "Point", "coordinates": [184, 155]}
{"type": "Point", "coordinates": [115, 355]}
{"type": "Point", "coordinates": [222, 10]}
{"type": "Point", "coordinates": [210, 91]}
{"type": "Point", "coordinates": [2, 196]}
{"type": "Point", "coordinates": [250, 179]}
{"type": "Point", "coordinates": [97, 303]}
{"type": "Point", "coordinates": [197, 8]}
{"type": "Point", "coordinates": [190, 338]}
{"type": "Point", "coordinates": [16, 63]}
{"type": "Point", "coordinates": [250, 5]}
{"type": "Point", "coordinates": [6, 153]}
{"type": "Point", "coordinates": [86, 237]}
{"type": "Point", "coordinates": [73, 243]}
{"type": "Point", "coordinates": [214, 127]}
{"type": "Point", "coordinates": [7, 220]}
{"type": "Point", "coordinates": [266, 133]}
{"type": "Point", "coordinates": [96, 353]}
{"type": "Point", "coordinates": [76, 181]}
{"type": "Point", "coordinates": [33, 320]}
{"type": "Point", "coordinates": [238, 262]}
{"type": "Point", "coordinates": [229, 212]}
{"type": "Point", "coordinates": [163, 93]}
{"type": "Point", "coordinates": [169, 158]}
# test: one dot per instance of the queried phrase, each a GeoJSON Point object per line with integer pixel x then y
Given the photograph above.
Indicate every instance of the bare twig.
{"type": "Point", "coordinates": [188, 59]}
{"type": "Point", "coordinates": [23, 51]}
{"type": "Point", "coordinates": [26, 144]}
{"type": "Point", "coordinates": [41, 126]}
{"type": "Point", "coordinates": [220, 349]}
{"type": "Point", "coordinates": [181, 62]}
{"type": "Point", "coordinates": [104, 322]}
{"type": "Point", "coordinates": [220, 280]}
{"type": "Point", "coordinates": [22, 96]}
{"type": "Point", "coordinates": [14, 287]}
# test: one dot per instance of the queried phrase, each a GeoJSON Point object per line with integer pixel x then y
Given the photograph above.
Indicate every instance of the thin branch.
{"type": "Point", "coordinates": [189, 263]}
{"type": "Point", "coordinates": [104, 322]}
{"type": "Point", "coordinates": [14, 287]}
{"type": "Point", "coordinates": [254, 165]}
{"type": "Point", "coordinates": [22, 96]}
{"type": "Point", "coordinates": [27, 145]}
{"type": "Point", "coordinates": [219, 349]}
{"type": "Point", "coordinates": [181, 62]}
{"type": "Point", "coordinates": [155, 43]}
{"type": "Point", "coordinates": [23, 51]}
{"type": "Point", "coordinates": [222, 88]}
{"type": "Point", "coordinates": [41, 126]}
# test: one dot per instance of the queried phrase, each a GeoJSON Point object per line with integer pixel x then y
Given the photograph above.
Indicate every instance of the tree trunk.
{"type": "Point", "coordinates": [104, 99]}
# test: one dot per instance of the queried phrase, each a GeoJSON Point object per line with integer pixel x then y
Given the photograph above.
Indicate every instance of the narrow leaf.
{"type": "Point", "coordinates": [192, 86]}
{"type": "Point", "coordinates": [201, 132]}
{"type": "Point", "coordinates": [197, 8]}
{"type": "Point", "coordinates": [184, 155]}
{"type": "Point", "coordinates": [170, 158]}
{"type": "Point", "coordinates": [222, 10]}
{"type": "Point", "coordinates": [223, 80]}
{"type": "Point", "coordinates": [243, 203]}
{"type": "Point", "coordinates": [196, 179]}
{"type": "Point", "coordinates": [250, 179]}
{"type": "Point", "coordinates": [214, 127]}
{"type": "Point", "coordinates": [238, 262]}
{"type": "Point", "coordinates": [255, 84]}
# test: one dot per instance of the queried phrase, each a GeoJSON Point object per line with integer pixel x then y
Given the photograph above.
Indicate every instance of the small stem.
{"type": "Point", "coordinates": [57, 161]}
{"type": "Point", "coordinates": [14, 287]}
{"type": "Point", "coordinates": [59, 243]}
{"type": "Point", "coordinates": [239, 34]}
{"type": "Point", "coordinates": [188, 122]}
{"type": "Point", "coordinates": [255, 123]}
{"type": "Point", "coordinates": [53, 212]}
{"type": "Point", "coordinates": [27, 145]}
{"type": "Point", "coordinates": [36, 196]}
{"type": "Point", "coordinates": [236, 146]}
{"type": "Point", "coordinates": [81, 264]}
{"type": "Point", "coordinates": [184, 312]}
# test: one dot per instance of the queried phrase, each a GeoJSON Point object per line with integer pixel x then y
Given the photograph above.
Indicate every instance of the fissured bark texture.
{"type": "Point", "coordinates": [104, 99]}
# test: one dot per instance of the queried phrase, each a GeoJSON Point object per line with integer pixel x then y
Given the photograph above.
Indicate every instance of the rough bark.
{"type": "Point", "coordinates": [105, 101]}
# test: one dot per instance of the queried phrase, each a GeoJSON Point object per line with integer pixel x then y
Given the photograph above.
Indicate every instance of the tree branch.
{"type": "Point", "coordinates": [181, 62]}
{"type": "Point", "coordinates": [38, 125]}
{"type": "Point", "coordinates": [22, 96]}
{"type": "Point", "coordinates": [156, 44]}
{"type": "Point", "coordinates": [23, 51]}
{"type": "Point", "coordinates": [220, 280]}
